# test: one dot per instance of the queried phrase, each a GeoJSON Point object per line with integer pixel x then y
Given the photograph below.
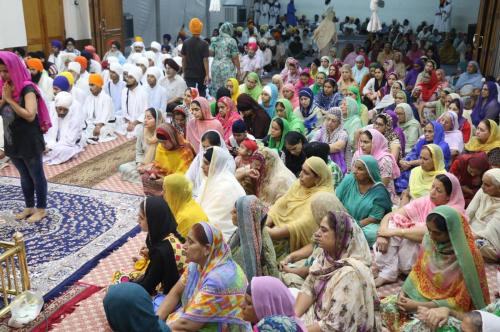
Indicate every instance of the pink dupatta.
{"type": "Point", "coordinates": [21, 78]}
{"type": "Point", "coordinates": [231, 116]}
{"type": "Point", "coordinates": [380, 149]}
{"type": "Point", "coordinates": [418, 209]}
{"type": "Point", "coordinates": [195, 128]}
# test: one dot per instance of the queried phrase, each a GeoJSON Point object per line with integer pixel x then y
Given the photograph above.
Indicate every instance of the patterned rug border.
{"type": "Point", "coordinates": [123, 153]}
{"type": "Point", "coordinates": [55, 310]}
{"type": "Point", "coordinates": [125, 226]}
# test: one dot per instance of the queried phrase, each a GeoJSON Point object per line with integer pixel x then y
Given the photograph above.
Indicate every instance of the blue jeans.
{"type": "Point", "coordinates": [32, 180]}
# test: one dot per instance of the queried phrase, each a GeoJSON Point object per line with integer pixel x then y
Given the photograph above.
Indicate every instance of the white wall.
{"type": "Point", "coordinates": [77, 19]}
{"type": "Point", "coordinates": [464, 12]}
{"type": "Point", "coordinates": [13, 30]}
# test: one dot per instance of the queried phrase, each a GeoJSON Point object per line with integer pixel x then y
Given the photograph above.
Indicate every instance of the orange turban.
{"type": "Point", "coordinates": [195, 26]}
{"type": "Point", "coordinates": [96, 79]}
{"type": "Point", "coordinates": [82, 61]}
{"type": "Point", "coordinates": [34, 63]}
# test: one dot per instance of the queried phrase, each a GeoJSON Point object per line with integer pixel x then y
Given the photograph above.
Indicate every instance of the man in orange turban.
{"type": "Point", "coordinates": [82, 80]}
{"type": "Point", "coordinates": [41, 78]}
{"type": "Point", "coordinates": [98, 107]}
{"type": "Point", "coordinates": [195, 58]}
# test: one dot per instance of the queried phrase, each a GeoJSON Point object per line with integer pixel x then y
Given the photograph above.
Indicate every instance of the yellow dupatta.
{"type": "Point", "coordinates": [493, 141]}
{"type": "Point", "coordinates": [179, 157]}
{"type": "Point", "coordinates": [420, 180]}
{"type": "Point", "coordinates": [293, 209]}
{"type": "Point", "coordinates": [177, 192]}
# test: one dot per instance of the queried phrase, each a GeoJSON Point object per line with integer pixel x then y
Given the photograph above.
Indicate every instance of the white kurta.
{"type": "Point", "coordinates": [157, 97]}
{"type": "Point", "coordinates": [45, 85]}
{"type": "Point", "coordinates": [264, 14]}
{"type": "Point", "coordinates": [83, 82]}
{"type": "Point", "coordinates": [442, 18]}
{"type": "Point", "coordinates": [99, 109]}
{"type": "Point", "coordinates": [68, 134]}
{"type": "Point", "coordinates": [115, 92]}
{"type": "Point", "coordinates": [174, 87]}
{"type": "Point", "coordinates": [134, 104]}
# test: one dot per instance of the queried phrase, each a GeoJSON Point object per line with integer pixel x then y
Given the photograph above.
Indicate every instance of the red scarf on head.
{"type": "Point", "coordinates": [430, 87]}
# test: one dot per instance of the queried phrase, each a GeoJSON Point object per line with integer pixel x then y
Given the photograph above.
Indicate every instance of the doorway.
{"type": "Point", "coordinates": [106, 18]}
{"type": "Point", "coordinates": [487, 37]}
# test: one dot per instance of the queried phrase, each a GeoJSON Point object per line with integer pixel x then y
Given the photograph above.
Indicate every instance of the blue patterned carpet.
{"type": "Point", "coordinates": [83, 226]}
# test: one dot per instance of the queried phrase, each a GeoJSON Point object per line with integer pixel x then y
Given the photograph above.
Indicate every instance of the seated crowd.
{"type": "Point", "coordinates": [283, 206]}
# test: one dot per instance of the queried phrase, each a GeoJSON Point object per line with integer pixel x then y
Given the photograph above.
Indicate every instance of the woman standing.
{"type": "Point", "coordinates": [25, 118]}
{"type": "Point", "coordinates": [226, 63]}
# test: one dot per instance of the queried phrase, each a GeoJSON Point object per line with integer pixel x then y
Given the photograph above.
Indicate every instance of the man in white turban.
{"type": "Point", "coordinates": [114, 87]}
{"type": "Point", "coordinates": [65, 142]}
{"type": "Point", "coordinates": [134, 102]}
{"type": "Point", "coordinates": [157, 95]}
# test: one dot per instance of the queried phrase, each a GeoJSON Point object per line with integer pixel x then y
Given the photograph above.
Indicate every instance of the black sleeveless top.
{"type": "Point", "coordinates": [22, 139]}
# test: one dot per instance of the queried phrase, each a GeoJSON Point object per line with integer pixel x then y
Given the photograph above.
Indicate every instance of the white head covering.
{"type": "Point", "coordinates": [491, 323]}
{"type": "Point", "coordinates": [252, 40]}
{"type": "Point", "coordinates": [178, 60]}
{"type": "Point", "coordinates": [63, 99]}
{"type": "Point", "coordinates": [127, 67]}
{"type": "Point", "coordinates": [136, 73]}
{"type": "Point", "coordinates": [142, 61]}
{"type": "Point", "coordinates": [150, 55]}
{"type": "Point", "coordinates": [164, 57]}
{"type": "Point", "coordinates": [155, 71]}
{"type": "Point", "coordinates": [67, 56]}
{"type": "Point", "coordinates": [116, 67]}
{"type": "Point", "coordinates": [75, 66]}
{"type": "Point", "coordinates": [156, 45]}
{"type": "Point", "coordinates": [138, 43]}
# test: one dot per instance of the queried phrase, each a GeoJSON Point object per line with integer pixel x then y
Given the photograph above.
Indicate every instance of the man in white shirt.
{"type": "Point", "coordinates": [114, 87]}
{"type": "Point", "coordinates": [143, 63]}
{"type": "Point", "coordinates": [174, 84]}
{"type": "Point", "coordinates": [134, 102]}
{"type": "Point", "coordinates": [40, 77]}
{"type": "Point", "coordinates": [100, 115]}
{"type": "Point", "coordinates": [63, 143]}
{"type": "Point", "coordinates": [157, 96]}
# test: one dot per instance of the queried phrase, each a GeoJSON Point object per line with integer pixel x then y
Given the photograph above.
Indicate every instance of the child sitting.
{"type": "Point", "coordinates": [245, 152]}
{"type": "Point", "coordinates": [239, 135]}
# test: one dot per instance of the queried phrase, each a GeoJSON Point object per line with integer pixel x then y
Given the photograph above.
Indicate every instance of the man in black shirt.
{"type": "Point", "coordinates": [195, 58]}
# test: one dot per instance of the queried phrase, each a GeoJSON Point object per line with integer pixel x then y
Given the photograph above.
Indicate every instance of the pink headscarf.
{"type": "Point", "coordinates": [231, 116]}
{"type": "Point", "coordinates": [380, 149]}
{"type": "Point", "coordinates": [295, 98]}
{"type": "Point", "coordinates": [20, 78]}
{"type": "Point", "coordinates": [196, 128]}
{"type": "Point", "coordinates": [299, 85]}
{"type": "Point", "coordinates": [271, 297]}
{"type": "Point", "coordinates": [418, 209]}
{"type": "Point", "coordinates": [285, 73]}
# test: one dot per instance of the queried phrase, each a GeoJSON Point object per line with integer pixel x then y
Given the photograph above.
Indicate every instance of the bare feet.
{"type": "Point", "coordinates": [25, 214]}
{"type": "Point", "coordinates": [374, 271]}
{"type": "Point", "coordinates": [38, 215]}
{"type": "Point", "coordinates": [381, 281]}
